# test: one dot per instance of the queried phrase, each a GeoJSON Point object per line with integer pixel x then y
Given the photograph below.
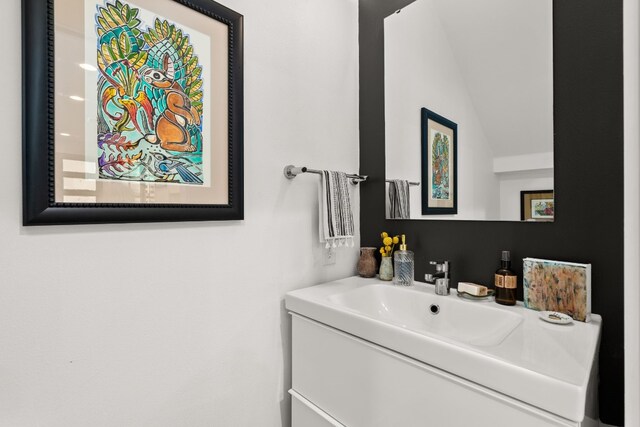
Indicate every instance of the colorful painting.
{"type": "Point", "coordinates": [558, 286]}
{"type": "Point", "coordinates": [150, 98]}
{"type": "Point", "coordinates": [139, 116]}
{"type": "Point", "coordinates": [542, 208]}
{"type": "Point", "coordinates": [440, 166]}
{"type": "Point", "coordinates": [537, 205]}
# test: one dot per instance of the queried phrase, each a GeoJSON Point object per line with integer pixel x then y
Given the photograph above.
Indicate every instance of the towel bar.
{"type": "Point", "coordinates": [291, 171]}
{"type": "Point", "coordinates": [410, 182]}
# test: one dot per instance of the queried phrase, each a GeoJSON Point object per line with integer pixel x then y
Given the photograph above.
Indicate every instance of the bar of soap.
{"type": "Point", "coordinates": [472, 288]}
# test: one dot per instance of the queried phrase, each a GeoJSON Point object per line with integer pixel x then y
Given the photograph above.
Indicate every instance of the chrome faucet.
{"type": "Point", "coordinates": [440, 278]}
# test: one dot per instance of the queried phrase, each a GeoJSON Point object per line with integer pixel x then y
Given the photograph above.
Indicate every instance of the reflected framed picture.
{"type": "Point", "coordinates": [439, 164]}
{"type": "Point", "coordinates": [132, 111]}
{"type": "Point", "coordinates": [537, 205]}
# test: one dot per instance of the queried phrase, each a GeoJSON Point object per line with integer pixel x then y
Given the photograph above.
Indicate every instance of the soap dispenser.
{"type": "Point", "coordinates": [506, 281]}
{"type": "Point", "coordinates": [403, 265]}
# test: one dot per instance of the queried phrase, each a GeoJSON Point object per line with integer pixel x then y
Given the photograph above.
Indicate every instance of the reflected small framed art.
{"type": "Point", "coordinates": [439, 164]}
{"type": "Point", "coordinates": [537, 205]}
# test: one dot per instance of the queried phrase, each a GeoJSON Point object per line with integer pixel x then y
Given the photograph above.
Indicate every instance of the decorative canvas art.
{"type": "Point", "coordinates": [559, 286]}
{"type": "Point", "coordinates": [439, 164]}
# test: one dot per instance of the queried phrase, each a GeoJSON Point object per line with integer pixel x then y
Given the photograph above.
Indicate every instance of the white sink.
{"type": "Point", "coordinates": [505, 349]}
{"type": "Point", "coordinates": [430, 314]}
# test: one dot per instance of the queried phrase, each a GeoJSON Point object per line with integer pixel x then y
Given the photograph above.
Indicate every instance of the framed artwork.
{"type": "Point", "coordinates": [537, 205]}
{"type": "Point", "coordinates": [132, 111]}
{"type": "Point", "coordinates": [439, 164]}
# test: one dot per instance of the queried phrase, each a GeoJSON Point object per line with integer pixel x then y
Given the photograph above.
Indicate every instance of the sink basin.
{"type": "Point", "coordinates": [506, 349]}
{"type": "Point", "coordinates": [431, 314]}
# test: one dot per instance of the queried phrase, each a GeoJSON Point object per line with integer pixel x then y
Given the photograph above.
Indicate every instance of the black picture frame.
{"type": "Point", "coordinates": [38, 119]}
{"type": "Point", "coordinates": [428, 206]}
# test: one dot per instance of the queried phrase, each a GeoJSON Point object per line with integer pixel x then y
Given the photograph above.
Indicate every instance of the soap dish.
{"type": "Point", "coordinates": [555, 317]}
{"type": "Point", "coordinates": [466, 295]}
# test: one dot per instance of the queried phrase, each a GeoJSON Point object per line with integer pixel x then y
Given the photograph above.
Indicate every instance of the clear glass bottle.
{"type": "Point", "coordinates": [506, 281]}
{"type": "Point", "coordinates": [403, 265]}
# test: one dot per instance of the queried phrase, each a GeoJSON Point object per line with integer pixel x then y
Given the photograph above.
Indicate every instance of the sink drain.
{"type": "Point", "coordinates": [434, 309]}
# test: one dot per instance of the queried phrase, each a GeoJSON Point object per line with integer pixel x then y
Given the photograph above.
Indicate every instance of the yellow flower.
{"type": "Point", "coordinates": [384, 235]}
{"type": "Point", "coordinates": [387, 241]}
{"type": "Point", "coordinates": [382, 251]}
{"type": "Point", "coordinates": [387, 248]}
{"type": "Point", "coordinates": [395, 240]}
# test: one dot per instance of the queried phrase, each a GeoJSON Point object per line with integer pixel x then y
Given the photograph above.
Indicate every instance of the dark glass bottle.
{"type": "Point", "coordinates": [506, 281]}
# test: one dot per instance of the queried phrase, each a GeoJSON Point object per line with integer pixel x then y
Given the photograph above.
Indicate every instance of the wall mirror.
{"type": "Point", "coordinates": [469, 110]}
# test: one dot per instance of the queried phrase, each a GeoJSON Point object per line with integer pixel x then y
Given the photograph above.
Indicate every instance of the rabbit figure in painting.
{"type": "Point", "coordinates": [171, 125]}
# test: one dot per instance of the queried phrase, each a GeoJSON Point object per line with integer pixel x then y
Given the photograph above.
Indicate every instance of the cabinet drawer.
{"type": "Point", "coordinates": [306, 414]}
{"type": "Point", "coordinates": [361, 384]}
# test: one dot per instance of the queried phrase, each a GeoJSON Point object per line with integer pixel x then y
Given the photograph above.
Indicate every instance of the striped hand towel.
{"type": "Point", "coordinates": [399, 199]}
{"type": "Point", "coordinates": [335, 216]}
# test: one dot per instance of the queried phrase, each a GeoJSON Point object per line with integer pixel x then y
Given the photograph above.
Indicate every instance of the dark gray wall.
{"type": "Point", "coordinates": [588, 177]}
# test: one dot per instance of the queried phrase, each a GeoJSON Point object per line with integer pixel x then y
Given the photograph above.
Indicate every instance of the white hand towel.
{"type": "Point", "coordinates": [335, 216]}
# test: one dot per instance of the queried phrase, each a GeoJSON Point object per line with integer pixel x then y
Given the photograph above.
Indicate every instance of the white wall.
{"type": "Point", "coordinates": [504, 49]}
{"type": "Point", "coordinates": [421, 71]}
{"type": "Point", "coordinates": [512, 183]}
{"type": "Point", "coordinates": [107, 326]}
{"type": "Point", "coordinates": [631, 43]}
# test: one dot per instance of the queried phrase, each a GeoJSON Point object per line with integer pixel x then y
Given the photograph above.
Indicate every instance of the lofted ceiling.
{"type": "Point", "coordinates": [504, 51]}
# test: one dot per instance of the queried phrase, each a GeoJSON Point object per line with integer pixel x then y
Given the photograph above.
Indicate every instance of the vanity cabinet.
{"type": "Point", "coordinates": [366, 353]}
{"type": "Point", "coordinates": [339, 379]}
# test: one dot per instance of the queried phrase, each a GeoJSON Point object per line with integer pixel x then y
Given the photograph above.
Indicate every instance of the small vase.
{"type": "Point", "coordinates": [367, 262]}
{"type": "Point", "coordinates": [386, 268]}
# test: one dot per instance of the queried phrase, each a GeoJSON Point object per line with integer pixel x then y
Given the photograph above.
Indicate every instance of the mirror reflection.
{"type": "Point", "coordinates": [469, 110]}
